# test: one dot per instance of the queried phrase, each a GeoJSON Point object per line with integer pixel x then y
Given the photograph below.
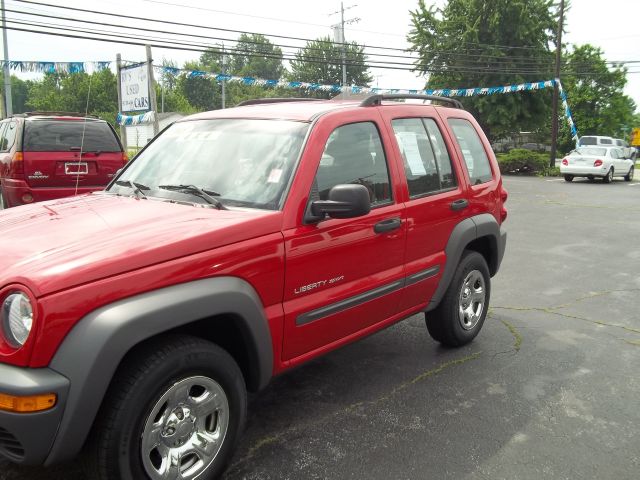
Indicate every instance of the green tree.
{"type": "Point", "coordinates": [256, 56]}
{"type": "Point", "coordinates": [76, 92]}
{"type": "Point", "coordinates": [595, 95]}
{"type": "Point", "coordinates": [462, 46]}
{"type": "Point", "coordinates": [320, 61]}
{"type": "Point", "coordinates": [202, 93]}
{"type": "Point", "coordinates": [19, 93]}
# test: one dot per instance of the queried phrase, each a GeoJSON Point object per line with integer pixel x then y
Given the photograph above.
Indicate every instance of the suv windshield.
{"type": "Point", "coordinates": [245, 162]}
{"type": "Point", "coordinates": [65, 135]}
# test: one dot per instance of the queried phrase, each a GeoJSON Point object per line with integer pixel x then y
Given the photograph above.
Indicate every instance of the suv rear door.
{"type": "Point", "coordinates": [478, 162]}
{"type": "Point", "coordinates": [343, 275]}
{"type": "Point", "coordinates": [52, 156]}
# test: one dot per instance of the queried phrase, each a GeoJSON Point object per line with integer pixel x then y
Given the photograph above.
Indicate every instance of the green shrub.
{"type": "Point", "coordinates": [521, 161]}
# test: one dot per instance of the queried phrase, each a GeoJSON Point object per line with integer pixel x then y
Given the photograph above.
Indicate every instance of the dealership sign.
{"type": "Point", "coordinates": [135, 88]}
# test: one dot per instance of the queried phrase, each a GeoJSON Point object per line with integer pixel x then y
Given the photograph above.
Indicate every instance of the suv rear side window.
{"type": "Point", "coordinates": [475, 157]}
{"type": "Point", "coordinates": [7, 135]}
{"type": "Point", "coordinates": [426, 161]}
{"type": "Point", "coordinates": [65, 135]}
{"type": "Point", "coordinates": [354, 154]}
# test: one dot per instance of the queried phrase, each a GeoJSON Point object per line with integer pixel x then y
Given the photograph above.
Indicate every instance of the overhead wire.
{"type": "Point", "coordinates": [521, 65]}
{"type": "Point", "coordinates": [511, 61]}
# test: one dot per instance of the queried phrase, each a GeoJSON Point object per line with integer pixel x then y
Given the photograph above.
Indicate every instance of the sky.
{"type": "Point", "coordinates": [611, 29]}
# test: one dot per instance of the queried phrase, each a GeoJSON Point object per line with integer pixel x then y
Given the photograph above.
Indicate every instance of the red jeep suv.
{"type": "Point", "coordinates": [238, 244]}
{"type": "Point", "coordinates": [49, 155]}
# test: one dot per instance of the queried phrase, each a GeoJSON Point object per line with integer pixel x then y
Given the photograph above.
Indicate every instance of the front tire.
{"type": "Point", "coordinates": [175, 410]}
{"type": "Point", "coordinates": [463, 309]}
{"type": "Point", "coordinates": [629, 176]}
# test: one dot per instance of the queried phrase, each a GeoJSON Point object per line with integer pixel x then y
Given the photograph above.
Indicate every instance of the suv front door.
{"type": "Point", "coordinates": [344, 275]}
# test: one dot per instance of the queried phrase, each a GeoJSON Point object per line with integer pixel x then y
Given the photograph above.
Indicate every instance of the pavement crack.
{"type": "Point", "coordinates": [270, 439]}
{"type": "Point", "coordinates": [552, 311]}
{"type": "Point", "coordinates": [594, 295]}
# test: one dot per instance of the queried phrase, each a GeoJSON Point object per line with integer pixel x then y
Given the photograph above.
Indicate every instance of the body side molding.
{"type": "Point", "coordinates": [89, 355]}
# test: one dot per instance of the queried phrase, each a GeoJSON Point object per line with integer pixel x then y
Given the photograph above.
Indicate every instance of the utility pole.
{"type": "Point", "coordinates": [7, 73]}
{"type": "Point", "coordinates": [341, 38]}
{"type": "Point", "coordinates": [224, 72]}
{"type": "Point", "coordinates": [152, 92]}
{"type": "Point", "coordinates": [554, 108]}
{"type": "Point", "coordinates": [123, 129]}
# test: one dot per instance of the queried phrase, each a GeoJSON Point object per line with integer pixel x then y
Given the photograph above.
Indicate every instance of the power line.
{"type": "Point", "coordinates": [170, 22]}
{"type": "Point", "coordinates": [511, 61]}
{"type": "Point", "coordinates": [194, 49]}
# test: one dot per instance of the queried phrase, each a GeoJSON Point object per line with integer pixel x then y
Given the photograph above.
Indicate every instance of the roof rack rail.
{"type": "Point", "coordinates": [53, 113]}
{"type": "Point", "coordinates": [377, 99]}
{"type": "Point", "coordinates": [257, 101]}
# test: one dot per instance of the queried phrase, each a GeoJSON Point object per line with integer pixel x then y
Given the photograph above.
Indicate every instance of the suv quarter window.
{"type": "Point", "coordinates": [475, 157]}
{"type": "Point", "coordinates": [3, 141]}
{"type": "Point", "coordinates": [354, 154]}
{"type": "Point", "coordinates": [9, 136]}
{"type": "Point", "coordinates": [427, 164]}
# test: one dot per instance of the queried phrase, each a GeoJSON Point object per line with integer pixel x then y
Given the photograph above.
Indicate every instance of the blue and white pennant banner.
{"type": "Point", "coordinates": [55, 67]}
{"type": "Point", "coordinates": [147, 117]}
{"type": "Point", "coordinates": [443, 92]}
{"type": "Point", "coordinates": [89, 67]}
{"type": "Point", "coordinates": [567, 110]}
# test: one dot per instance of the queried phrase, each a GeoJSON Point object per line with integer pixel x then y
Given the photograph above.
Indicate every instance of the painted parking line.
{"type": "Point", "coordinates": [556, 180]}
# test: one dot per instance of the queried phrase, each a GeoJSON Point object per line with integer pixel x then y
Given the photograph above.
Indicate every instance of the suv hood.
{"type": "Point", "coordinates": [52, 246]}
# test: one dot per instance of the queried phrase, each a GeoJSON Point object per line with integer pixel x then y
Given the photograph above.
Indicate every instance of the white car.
{"type": "Point", "coordinates": [628, 152]}
{"type": "Point", "coordinates": [596, 162]}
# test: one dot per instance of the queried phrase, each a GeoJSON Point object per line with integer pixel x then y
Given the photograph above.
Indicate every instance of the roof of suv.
{"type": "Point", "coordinates": [303, 110]}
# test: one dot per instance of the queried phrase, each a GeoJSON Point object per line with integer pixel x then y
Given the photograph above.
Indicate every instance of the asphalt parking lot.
{"type": "Point", "coordinates": [549, 389]}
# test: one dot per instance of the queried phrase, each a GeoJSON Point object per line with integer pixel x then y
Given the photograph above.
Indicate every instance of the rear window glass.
{"type": "Point", "coordinates": [591, 151]}
{"type": "Point", "coordinates": [63, 136]}
{"type": "Point", "coordinates": [588, 141]}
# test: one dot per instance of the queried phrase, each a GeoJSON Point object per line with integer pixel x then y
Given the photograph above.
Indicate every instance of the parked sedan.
{"type": "Point", "coordinates": [596, 162]}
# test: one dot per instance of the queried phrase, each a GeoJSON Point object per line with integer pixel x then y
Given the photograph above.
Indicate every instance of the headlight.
{"type": "Point", "coordinates": [17, 318]}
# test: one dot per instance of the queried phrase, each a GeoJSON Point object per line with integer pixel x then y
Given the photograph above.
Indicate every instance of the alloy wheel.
{"type": "Point", "coordinates": [471, 300]}
{"type": "Point", "coordinates": [185, 429]}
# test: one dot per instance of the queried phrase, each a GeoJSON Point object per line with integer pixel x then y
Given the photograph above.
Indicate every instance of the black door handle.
{"type": "Point", "coordinates": [459, 204]}
{"type": "Point", "coordinates": [387, 225]}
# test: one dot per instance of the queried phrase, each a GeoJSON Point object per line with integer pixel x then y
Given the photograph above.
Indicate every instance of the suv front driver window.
{"type": "Point", "coordinates": [354, 154]}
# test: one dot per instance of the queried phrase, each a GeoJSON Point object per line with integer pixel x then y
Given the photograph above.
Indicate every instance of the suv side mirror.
{"type": "Point", "coordinates": [345, 201]}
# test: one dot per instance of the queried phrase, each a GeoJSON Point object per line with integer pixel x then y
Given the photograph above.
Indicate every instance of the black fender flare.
{"type": "Point", "coordinates": [465, 232]}
{"type": "Point", "coordinates": [94, 348]}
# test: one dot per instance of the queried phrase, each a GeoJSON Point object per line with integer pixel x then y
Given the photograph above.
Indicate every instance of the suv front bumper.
{"type": "Point", "coordinates": [26, 438]}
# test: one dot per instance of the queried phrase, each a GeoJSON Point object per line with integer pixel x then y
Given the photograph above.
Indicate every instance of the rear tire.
{"type": "Point", "coordinates": [177, 397]}
{"type": "Point", "coordinates": [463, 309]}
{"type": "Point", "coordinates": [608, 178]}
{"type": "Point", "coordinates": [629, 176]}
{"type": "Point", "coordinates": [568, 178]}
{"type": "Point", "coordinates": [3, 204]}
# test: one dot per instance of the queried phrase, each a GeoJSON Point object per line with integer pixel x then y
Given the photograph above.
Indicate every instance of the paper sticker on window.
{"type": "Point", "coordinates": [274, 176]}
{"type": "Point", "coordinates": [409, 145]}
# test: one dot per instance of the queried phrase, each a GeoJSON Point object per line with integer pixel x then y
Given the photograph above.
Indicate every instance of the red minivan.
{"type": "Point", "coordinates": [44, 156]}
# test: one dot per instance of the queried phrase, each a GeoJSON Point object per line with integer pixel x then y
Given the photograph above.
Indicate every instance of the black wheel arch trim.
{"type": "Point", "coordinates": [479, 226]}
{"type": "Point", "coordinates": [94, 348]}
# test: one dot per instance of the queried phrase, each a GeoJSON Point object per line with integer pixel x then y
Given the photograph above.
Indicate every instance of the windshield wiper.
{"type": "Point", "coordinates": [135, 186]}
{"type": "Point", "coordinates": [207, 195]}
